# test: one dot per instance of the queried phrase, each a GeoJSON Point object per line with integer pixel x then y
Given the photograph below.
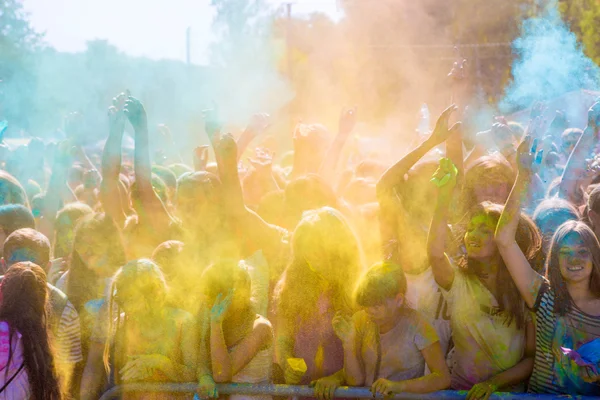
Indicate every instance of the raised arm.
{"type": "Point", "coordinates": [395, 174]}
{"type": "Point", "coordinates": [56, 187]}
{"type": "Point", "coordinates": [345, 127]}
{"type": "Point", "coordinates": [225, 365]}
{"type": "Point", "coordinates": [260, 234]}
{"type": "Point", "coordinates": [575, 169]}
{"type": "Point", "coordinates": [526, 279]}
{"type": "Point", "coordinates": [111, 166]}
{"type": "Point", "coordinates": [520, 372]}
{"type": "Point", "coordinates": [258, 124]}
{"type": "Point", "coordinates": [153, 211]}
{"type": "Point", "coordinates": [445, 179]}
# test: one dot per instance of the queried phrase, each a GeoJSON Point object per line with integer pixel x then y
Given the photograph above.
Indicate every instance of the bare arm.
{"type": "Point", "coordinates": [153, 211]}
{"type": "Point", "coordinates": [512, 376]}
{"type": "Point", "coordinates": [575, 169]}
{"type": "Point", "coordinates": [254, 228]}
{"type": "Point", "coordinates": [438, 231]}
{"type": "Point", "coordinates": [224, 364]}
{"type": "Point", "coordinates": [94, 374]}
{"type": "Point", "coordinates": [396, 173]}
{"type": "Point", "coordinates": [438, 379]}
{"type": "Point", "coordinates": [526, 279]}
{"type": "Point", "coordinates": [258, 124]}
{"type": "Point", "coordinates": [345, 127]}
{"type": "Point", "coordinates": [345, 328]}
{"type": "Point", "coordinates": [111, 167]}
{"type": "Point", "coordinates": [56, 187]}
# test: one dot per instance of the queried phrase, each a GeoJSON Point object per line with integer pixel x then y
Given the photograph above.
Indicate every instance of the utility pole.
{"type": "Point", "coordinates": [187, 45]}
{"type": "Point", "coordinates": [288, 51]}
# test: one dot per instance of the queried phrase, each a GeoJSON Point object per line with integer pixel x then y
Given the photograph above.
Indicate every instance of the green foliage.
{"type": "Point", "coordinates": [583, 17]}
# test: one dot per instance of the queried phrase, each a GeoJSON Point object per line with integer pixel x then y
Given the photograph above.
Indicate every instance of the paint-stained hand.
{"type": "Point", "coordinates": [445, 177]}
{"type": "Point", "coordinates": [325, 387]}
{"type": "Point", "coordinates": [142, 367]}
{"type": "Point", "coordinates": [343, 327]}
{"type": "Point", "coordinates": [481, 391]}
{"type": "Point", "coordinates": [207, 388]}
{"type": "Point", "coordinates": [220, 307]}
{"type": "Point", "coordinates": [529, 156]}
{"type": "Point", "coordinates": [442, 131]}
{"type": "Point", "coordinates": [385, 387]}
{"type": "Point", "coordinates": [135, 112]}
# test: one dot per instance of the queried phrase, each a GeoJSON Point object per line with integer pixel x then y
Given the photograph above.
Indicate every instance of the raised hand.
{"type": "Point", "coordinates": [263, 160]}
{"type": "Point", "coordinates": [220, 307]}
{"type": "Point", "coordinates": [212, 123]}
{"type": "Point", "coordinates": [116, 119]}
{"type": "Point", "coordinates": [457, 73]}
{"type": "Point", "coordinates": [535, 129]}
{"type": "Point", "coordinates": [347, 120]}
{"type": "Point", "coordinates": [135, 112]}
{"type": "Point", "coordinates": [343, 327]}
{"type": "Point", "coordinates": [594, 117]}
{"type": "Point", "coordinates": [226, 147]}
{"type": "Point", "coordinates": [441, 132]}
{"type": "Point", "coordinates": [537, 110]}
{"type": "Point", "coordinates": [258, 123]}
{"type": "Point", "coordinates": [529, 157]}
{"type": "Point", "coordinates": [445, 177]}
{"type": "Point", "coordinates": [200, 158]}
{"type": "Point", "coordinates": [559, 123]}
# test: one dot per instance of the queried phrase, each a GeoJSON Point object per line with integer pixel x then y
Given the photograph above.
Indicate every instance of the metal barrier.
{"type": "Point", "coordinates": [249, 389]}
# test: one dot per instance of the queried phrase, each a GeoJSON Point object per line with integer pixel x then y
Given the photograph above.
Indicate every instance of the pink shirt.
{"type": "Point", "coordinates": [19, 386]}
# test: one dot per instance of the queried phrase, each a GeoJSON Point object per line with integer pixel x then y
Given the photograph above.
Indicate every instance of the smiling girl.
{"type": "Point", "coordinates": [566, 302]}
{"type": "Point", "coordinates": [493, 338]}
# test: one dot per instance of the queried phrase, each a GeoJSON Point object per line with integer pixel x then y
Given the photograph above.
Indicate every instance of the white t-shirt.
{"type": "Point", "coordinates": [424, 295]}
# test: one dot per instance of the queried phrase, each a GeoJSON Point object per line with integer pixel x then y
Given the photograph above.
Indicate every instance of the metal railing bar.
{"type": "Point", "coordinates": [250, 389]}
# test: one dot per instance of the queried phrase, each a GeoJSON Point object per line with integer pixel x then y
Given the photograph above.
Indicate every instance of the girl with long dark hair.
{"type": "Point", "coordinates": [26, 361]}
{"type": "Point", "coordinates": [566, 301]}
{"type": "Point", "coordinates": [493, 339]}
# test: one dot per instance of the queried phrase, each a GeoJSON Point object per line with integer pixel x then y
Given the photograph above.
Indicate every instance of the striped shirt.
{"type": "Point", "coordinates": [553, 372]}
{"type": "Point", "coordinates": [68, 337]}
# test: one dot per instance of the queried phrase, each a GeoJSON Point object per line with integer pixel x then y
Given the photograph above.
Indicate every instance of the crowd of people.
{"type": "Point", "coordinates": [476, 272]}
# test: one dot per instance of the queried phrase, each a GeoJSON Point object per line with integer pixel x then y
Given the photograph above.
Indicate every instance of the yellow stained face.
{"type": "Point", "coordinates": [479, 238]}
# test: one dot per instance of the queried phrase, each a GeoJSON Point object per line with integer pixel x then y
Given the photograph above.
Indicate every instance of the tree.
{"type": "Point", "coordinates": [18, 41]}
{"type": "Point", "coordinates": [583, 17]}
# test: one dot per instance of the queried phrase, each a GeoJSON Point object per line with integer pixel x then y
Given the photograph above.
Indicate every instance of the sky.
{"type": "Point", "coordinates": [150, 28]}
